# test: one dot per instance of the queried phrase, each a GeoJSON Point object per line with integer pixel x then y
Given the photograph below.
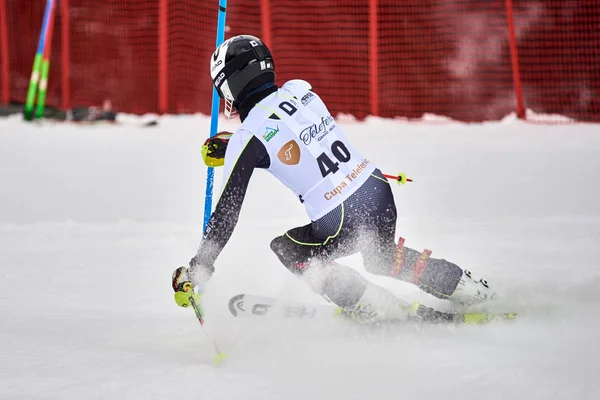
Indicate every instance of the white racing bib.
{"type": "Point", "coordinates": [308, 151]}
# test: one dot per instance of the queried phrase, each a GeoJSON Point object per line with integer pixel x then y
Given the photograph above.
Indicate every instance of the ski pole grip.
{"type": "Point", "coordinates": [400, 178]}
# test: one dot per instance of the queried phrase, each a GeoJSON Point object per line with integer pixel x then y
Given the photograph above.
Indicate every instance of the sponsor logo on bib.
{"type": "Point", "coordinates": [307, 98]}
{"type": "Point", "coordinates": [290, 153]}
{"type": "Point", "coordinates": [318, 131]}
{"type": "Point", "coordinates": [270, 133]}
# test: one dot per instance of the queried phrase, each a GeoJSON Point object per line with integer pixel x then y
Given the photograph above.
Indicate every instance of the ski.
{"type": "Point", "coordinates": [248, 305]}
{"type": "Point", "coordinates": [428, 314]}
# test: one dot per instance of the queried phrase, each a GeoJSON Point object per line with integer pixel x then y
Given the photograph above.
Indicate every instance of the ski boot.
{"type": "Point", "coordinates": [470, 291]}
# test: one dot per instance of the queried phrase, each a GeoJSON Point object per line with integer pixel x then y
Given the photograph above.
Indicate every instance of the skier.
{"type": "Point", "coordinates": [289, 132]}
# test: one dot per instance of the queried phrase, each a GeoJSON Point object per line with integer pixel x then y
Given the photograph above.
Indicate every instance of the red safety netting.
{"type": "Point", "coordinates": [447, 58]}
{"type": "Point", "coordinates": [453, 58]}
{"type": "Point", "coordinates": [4, 57]}
{"type": "Point", "coordinates": [114, 54]}
{"type": "Point", "coordinates": [559, 53]}
{"type": "Point", "coordinates": [191, 41]}
{"type": "Point", "coordinates": [325, 43]}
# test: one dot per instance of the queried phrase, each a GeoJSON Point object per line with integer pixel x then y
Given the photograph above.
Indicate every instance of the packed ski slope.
{"type": "Point", "coordinates": [93, 220]}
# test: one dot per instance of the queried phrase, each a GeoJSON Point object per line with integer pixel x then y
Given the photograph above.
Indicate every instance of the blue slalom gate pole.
{"type": "Point", "coordinates": [214, 117]}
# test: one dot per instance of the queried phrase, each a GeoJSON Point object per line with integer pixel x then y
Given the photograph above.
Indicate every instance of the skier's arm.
{"type": "Point", "coordinates": [244, 153]}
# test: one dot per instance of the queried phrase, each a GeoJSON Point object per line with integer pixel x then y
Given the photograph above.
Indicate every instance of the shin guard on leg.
{"type": "Point", "coordinates": [376, 304]}
{"type": "Point", "coordinates": [441, 278]}
{"type": "Point", "coordinates": [362, 300]}
{"type": "Point", "coordinates": [357, 298]}
{"type": "Point", "coordinates": [435, 276]}
{"type": "Point", "coordinates": [343, 286]}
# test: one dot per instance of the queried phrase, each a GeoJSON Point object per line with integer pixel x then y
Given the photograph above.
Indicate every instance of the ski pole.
{"type": "Point", "coordinates": [219, 357]}
{"type": "Point", "coordinates": [401, 178]}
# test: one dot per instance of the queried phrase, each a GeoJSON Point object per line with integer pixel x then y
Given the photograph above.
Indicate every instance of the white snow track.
{"type": "Point", "coordinates": [93, 220]}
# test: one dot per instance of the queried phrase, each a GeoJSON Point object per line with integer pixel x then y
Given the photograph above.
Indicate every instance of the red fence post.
{"type": "Point", "coordinates": [65, 55]}
{"type": "Point", "coordinates": [514, 56]}
{"type": "Point", "coordinates": [373, 58]}
{"type": "Point", "coordinates": [265, 16]}
{"type": "Point", "coordinates": [4, 54]}
{"type": "Point", "coordinates": [163, 56]}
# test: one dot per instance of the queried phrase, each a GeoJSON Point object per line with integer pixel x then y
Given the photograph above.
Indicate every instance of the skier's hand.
{"type": "Point", "coordinates": [184, 298]}
{"type": "Point", "coordinates": [184, 290]}
{"type": "Point", "coordinates": [184, 281]}
{"type": "Point", "coordinates": [213, 150]}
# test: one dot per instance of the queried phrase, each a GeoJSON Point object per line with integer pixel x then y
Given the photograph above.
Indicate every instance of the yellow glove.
{"type": "Point", "coordinates": [213, 150]}
{"type": "Point", "coordinates": [182, 298]}
{"type": "Point", "coordinates": [184, 290]}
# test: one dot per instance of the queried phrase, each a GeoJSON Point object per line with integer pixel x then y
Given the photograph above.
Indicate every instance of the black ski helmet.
{"type": "Point", "coordinates": [239, 65]}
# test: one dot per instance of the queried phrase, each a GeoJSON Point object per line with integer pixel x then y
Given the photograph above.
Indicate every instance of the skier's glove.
{"type": "Point", "coordinates": [184, 290]}
{"type": "Point", "coordinates": [213, 150]}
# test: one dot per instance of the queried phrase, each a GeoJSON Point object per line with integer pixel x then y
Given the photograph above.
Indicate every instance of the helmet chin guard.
{"type": "Point", "coordinates": [229, 111]}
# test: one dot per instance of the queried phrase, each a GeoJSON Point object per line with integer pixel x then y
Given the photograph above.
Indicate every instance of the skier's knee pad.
{"type": "Point", "coordinates": [280, 247]}
{"type": "Point", "coordinates": [293, 256]}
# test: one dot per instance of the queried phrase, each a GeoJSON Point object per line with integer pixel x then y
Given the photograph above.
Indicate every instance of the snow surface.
{"type": "Point", "coordinates": [93, 220]}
